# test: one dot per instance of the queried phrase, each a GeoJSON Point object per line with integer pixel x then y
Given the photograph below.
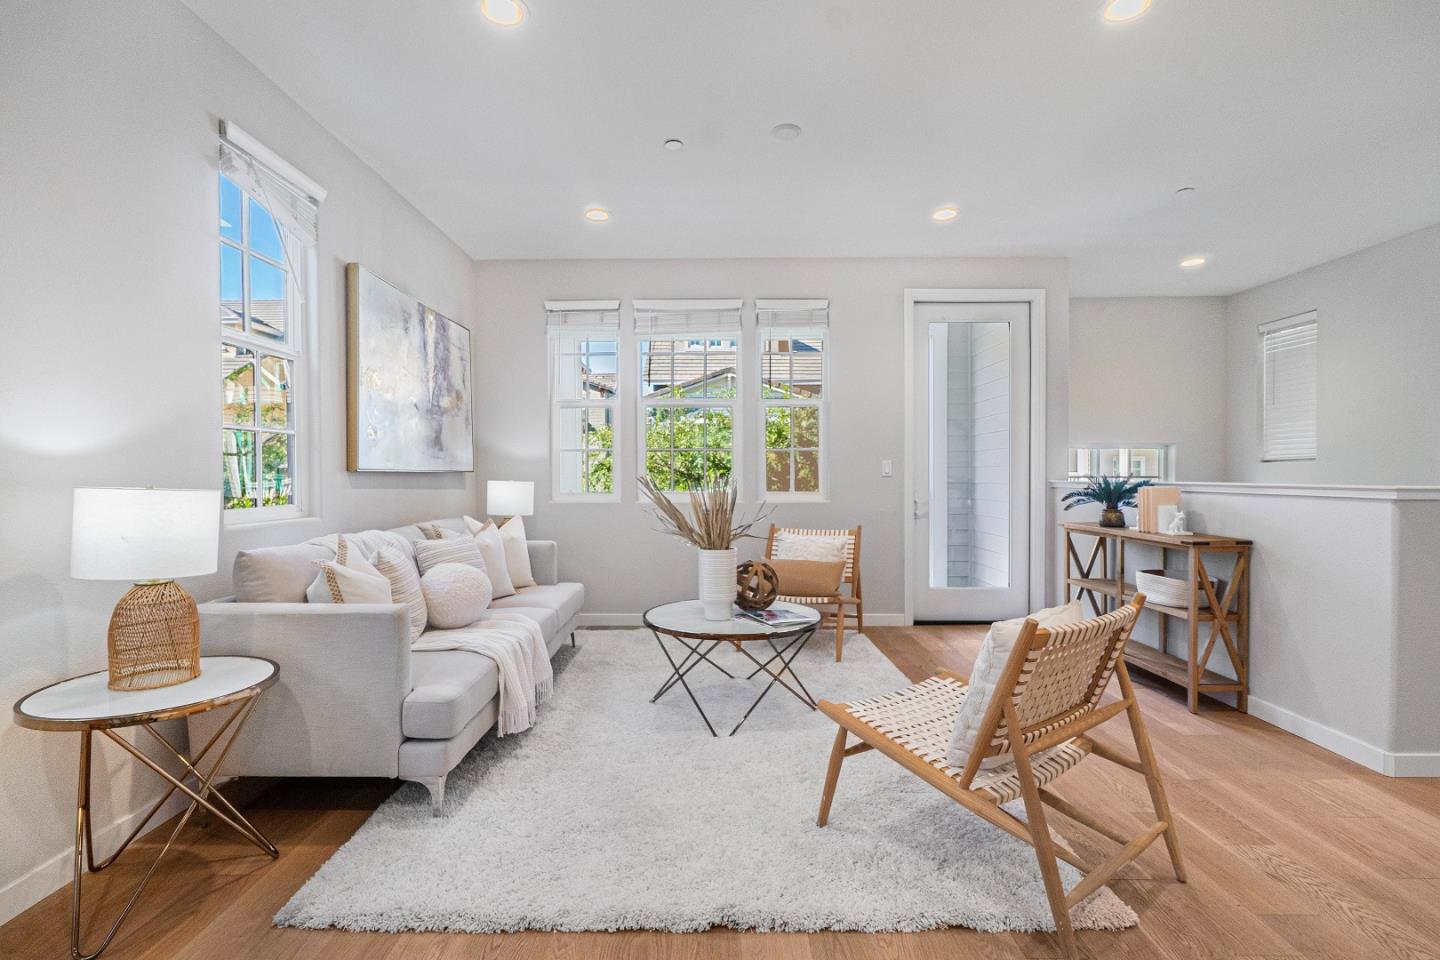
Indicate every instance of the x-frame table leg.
{"type": "Point", "coordinates": [775, 676]}
{"type": "Point", "coordinates": [679, 674]}
{"type": "Point", "coordinates": [84, 856]}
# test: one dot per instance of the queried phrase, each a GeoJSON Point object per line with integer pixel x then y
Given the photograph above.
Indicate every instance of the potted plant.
{"type": "Point", "coordinates": [1111, 493]}
{"type": "Point", "coordinates": [713, 529]}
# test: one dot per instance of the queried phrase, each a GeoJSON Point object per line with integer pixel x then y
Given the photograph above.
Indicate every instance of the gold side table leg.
{"type": "Point", "coordinates": [84, 845]}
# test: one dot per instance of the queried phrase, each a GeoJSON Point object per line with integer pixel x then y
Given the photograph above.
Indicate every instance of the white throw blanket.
{"type": "Point", "coordinates": [517, 646]}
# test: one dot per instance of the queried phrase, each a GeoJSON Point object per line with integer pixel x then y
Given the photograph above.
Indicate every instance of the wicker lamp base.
{"type": "Point", "coordinates": [154, 638]}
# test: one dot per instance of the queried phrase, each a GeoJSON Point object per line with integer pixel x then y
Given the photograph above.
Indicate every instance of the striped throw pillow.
{"type": "Point", "coordinates": [404, 586]}
{"type": "Point", "coordinates": [432, 553]}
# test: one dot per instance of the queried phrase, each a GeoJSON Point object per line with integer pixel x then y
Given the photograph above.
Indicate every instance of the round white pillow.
{"type": "Point", "coordinates": [456, 594]}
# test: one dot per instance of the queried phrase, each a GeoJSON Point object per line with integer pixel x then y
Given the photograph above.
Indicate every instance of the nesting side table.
{"type": "Point", "coordinates": [86, 705]}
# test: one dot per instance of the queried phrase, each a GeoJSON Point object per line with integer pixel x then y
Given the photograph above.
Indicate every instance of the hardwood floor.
{"type": "Point", "coordinates": [1292, 852]}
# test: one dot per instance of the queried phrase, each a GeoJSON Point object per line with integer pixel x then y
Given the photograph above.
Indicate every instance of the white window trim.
{"type": "Point", "coordinates": [1169, 448]}
{"type": "Point", "coordinates": [643, 404]}
{"type": "Point", "coordinates": [1275, 326]}
{"type": "Point", "coordinates": [558, 405]}
{"type": "Point", "coordinates": [305, 372]}
{"type": "Point", "coordinates": [761, 402]}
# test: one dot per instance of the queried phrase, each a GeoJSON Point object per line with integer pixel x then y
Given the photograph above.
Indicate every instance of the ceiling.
{"type": "Point", "coordinates": [1308, 129]}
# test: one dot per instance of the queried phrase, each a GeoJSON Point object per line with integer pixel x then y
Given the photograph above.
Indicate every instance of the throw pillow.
{"type": "Point", "coordinates": [431, 553]}
{"type": "Point", "coordinates": [808, 578]}
{"type": "Point", "coordinates": [492, 548]}
{"type": "Point", "coordinates": [805, 546]}
{"type": "Point", "coordinates": [989, 665]}
{"type": "Point", "coordinates": [404, 586]}
{"type": "Point", "coordinates": [349, 578]}
{"type": "Point", "coordinates": [517, 554]}
{"type": "Point", "coordinates": [430, 531]}
{"type": "Point", "coordinates": [456, 595]}
{"type": "Point", "coordinates": [337, 583]}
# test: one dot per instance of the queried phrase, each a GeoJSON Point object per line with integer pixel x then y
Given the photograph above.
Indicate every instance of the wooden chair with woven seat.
{"type": "Point", "coordinates": [846, 604]}
{"type": "Point", "coordinates": [1047, 698]}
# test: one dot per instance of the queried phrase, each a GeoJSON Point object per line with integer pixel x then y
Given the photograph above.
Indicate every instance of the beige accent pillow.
{"type": "Point", "coordinates": [797, 546]}
{"type": "Point", "coordinates": [492, 549]}
{"type": "Point", "coordinates": [349, 578]}
{"type": "Point", "coordinates": [404, 586]}
{"type": "Point", "coordinates": [517, 554]}
{"type": "Point", "coordinates": [432, 553]}
{"type": "Point", "coordinates": [809, 578]}
{"type": "Point", "coordinates": [456, 595]}
{"type": "Point", "coordinates": [989, 665]}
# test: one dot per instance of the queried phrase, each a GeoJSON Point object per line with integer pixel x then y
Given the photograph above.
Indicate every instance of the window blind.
{"type": "Point", "coordinates": [290, 196]}
{"type": "Point", "coordinates": [792, 317]}
{"type": "Point", "coordinates": [684, 318]}
{"type": "Point", "coordinates": [1288, 355]}
{"type": "Point", "coordinates": [583, 316]}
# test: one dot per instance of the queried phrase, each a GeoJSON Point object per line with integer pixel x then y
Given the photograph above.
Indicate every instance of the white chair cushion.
{"type": "Point", "coordinates": [989, 664]}
{"type": "Point", "coordinates": [798, 546]}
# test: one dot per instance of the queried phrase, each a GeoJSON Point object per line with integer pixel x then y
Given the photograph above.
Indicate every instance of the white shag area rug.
{"type": "Point", "coordinates": [614, 813]}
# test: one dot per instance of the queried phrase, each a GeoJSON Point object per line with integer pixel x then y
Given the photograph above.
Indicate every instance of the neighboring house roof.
{"type": "Point", "coordinates": [267, 317]}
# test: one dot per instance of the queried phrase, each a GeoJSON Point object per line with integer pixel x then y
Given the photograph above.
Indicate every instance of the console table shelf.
{"type": "Point", "coordinates": [1230, 626]}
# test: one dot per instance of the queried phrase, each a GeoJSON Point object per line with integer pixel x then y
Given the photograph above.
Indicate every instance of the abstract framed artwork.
{"type": "Point", "coordinates": [408, 382]}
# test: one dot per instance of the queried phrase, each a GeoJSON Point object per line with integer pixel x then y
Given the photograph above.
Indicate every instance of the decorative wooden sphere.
{"type": "Point", "coordinates": [756, 585]}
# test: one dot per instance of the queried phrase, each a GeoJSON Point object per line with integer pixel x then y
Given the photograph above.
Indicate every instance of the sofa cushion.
{"type": "Point", "coordinates": [450, 687]}
{"type": "Point", "coordinates": [277, 574]}
{"type": "Point", "coordinates": [565, 599]}
{"type": "Point", "coordinates": [548, 620]}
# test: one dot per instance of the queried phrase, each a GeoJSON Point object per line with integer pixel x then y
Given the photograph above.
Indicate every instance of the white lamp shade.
{"type": "Point", "coordinates": [510, 498]}
{"type": "Point", "coordinates": [144, 534]}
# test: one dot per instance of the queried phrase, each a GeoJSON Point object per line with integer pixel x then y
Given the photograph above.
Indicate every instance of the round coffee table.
{"type": "Point", "coordinates": [86, 705]}
{"type": "Point", "coordinates": [684, 623]}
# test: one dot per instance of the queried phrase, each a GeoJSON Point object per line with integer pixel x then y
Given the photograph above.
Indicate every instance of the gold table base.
{"type": "Point", "coordinates": [84, 842]}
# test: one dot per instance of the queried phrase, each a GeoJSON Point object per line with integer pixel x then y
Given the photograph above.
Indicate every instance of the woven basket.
{"type": "Point", "coordinates": [154, 638]}
{"type": "Point", "coordinates": [1170, 588]}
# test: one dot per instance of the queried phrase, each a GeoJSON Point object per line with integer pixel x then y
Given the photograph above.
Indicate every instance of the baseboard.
{"type": "Point", "coordinates": [633, 620]}
{"type": "Point", "coordinates": [24, 892]}
{"type": "Point", "coordinates": [1351, 748]}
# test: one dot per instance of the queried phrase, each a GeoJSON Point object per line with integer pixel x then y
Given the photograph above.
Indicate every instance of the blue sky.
{"type": "Point", "coordinates": [266, 282]}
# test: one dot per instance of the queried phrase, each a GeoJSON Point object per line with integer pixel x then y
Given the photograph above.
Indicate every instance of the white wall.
{"type": "Point", "coordinates": [1379, 313]}
{"type": "Point", "coordinates": [613, 548]}
{"type": "Point", "coordinates": [108, 286]}
{"type": "Point", "coordinates": [1152, 370]}
{"type": "Point", "coordinates": [1342, 612]}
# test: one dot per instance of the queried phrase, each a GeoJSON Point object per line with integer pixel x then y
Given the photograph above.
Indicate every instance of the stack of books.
{"type": "Point", "coordinates": [776, 616]}
{"type": "Point", "coordinates": [1150, 500]}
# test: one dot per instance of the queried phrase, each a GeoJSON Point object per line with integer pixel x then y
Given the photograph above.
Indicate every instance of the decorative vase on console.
{"type": "Point", "coordinates": [1111, 493]}
{"type": "Point", "coordinates": [713, 529]}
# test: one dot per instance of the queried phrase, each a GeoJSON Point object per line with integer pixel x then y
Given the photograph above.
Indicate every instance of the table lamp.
{"type": "Point", "coordinates": [148, 537]}
{"type": "Point", "coordinates": [510, 498]}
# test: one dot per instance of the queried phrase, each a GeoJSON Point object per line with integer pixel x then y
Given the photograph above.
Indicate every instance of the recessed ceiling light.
{"type": "Point", "coordinates": [785, 131]}
{"type": "Point", "coordinates": [1119, 11]}
{"type": "Point", "coordinates": [503, 13]}
{"type": "Point", "coordinates": [673, 145]}
{"type": "Point", "coordinates": [1192, 263]}
{"type": "Point", "coordinates": [944, 214]}
{"type": "Point", "coordinates": [597, 214]}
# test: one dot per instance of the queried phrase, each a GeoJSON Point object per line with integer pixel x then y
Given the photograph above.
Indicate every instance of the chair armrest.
{"type": "Point", "coordinates": [335, 708]}
{"type": "Point", "coordinates": [544, 560]}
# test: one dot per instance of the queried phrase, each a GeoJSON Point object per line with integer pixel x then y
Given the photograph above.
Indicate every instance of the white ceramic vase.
{"type": "Point", "coordinates": [717, 583]}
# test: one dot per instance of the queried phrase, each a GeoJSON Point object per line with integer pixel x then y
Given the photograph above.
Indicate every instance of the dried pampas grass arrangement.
{"type": "Point", "coordinates": [712, 507]}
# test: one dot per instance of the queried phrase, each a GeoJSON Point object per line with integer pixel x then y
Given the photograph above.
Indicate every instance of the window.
{"type": "Point", "coordinates": [266, 239]}
{"type": "Point", "coordinates": [1154, 462]}
{"type": "Point", "coordinates": [792, 395]}
{"type": "Point", "coordinates": [585, 373]}
{"type": "Point", "coordinates": [1288, 357]}
{"type": "Point", "coordinates": [689, 384]}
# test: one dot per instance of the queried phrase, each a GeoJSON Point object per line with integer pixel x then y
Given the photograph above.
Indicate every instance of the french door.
{"type": "Point", "coordinates": [970, 462]}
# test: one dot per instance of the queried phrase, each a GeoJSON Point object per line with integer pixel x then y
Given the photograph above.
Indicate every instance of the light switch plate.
{"type": "Point", "coordinates": [887, 468]}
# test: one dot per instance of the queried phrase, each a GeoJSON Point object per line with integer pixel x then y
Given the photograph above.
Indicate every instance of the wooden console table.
{"type": "Point", "coordinates": [1228, 616]}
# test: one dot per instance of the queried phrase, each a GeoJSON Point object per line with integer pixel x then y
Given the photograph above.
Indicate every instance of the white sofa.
{"type": "Point", "coordinates": [352, 699]}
